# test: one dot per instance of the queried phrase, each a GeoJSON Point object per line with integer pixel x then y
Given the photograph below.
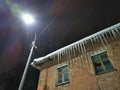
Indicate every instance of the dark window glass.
{"type": "Point", "coordinates": [62, 75]}
{"type": "Point", "coordinates": [60, 78]}
{"type": "Point", "coordinates": [59, 70]}
{"type": "Point", "coordinates": [102, 63]}
{"type": "Point", "coordinates": [66, 77]}
{"type": "Point", "coordinates": [98, 68]}
{"type": "Point", "coordinates": [108, 65]}
{"type": "Point", "coordinates": [65, 69]}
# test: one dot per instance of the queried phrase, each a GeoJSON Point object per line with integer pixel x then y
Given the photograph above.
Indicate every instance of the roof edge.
{"type": "Point", "coordinates": [90, 37]}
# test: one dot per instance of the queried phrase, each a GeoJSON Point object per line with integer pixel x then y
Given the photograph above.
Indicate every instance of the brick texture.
{"type": "Point", "coordinates": [81, 71]}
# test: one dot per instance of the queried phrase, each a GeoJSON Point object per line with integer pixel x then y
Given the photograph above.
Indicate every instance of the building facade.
{"type": "Point", "coordinates": [92, 63]}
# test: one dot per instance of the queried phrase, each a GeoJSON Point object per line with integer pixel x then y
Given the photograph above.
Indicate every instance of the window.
{"type": "Point", "coordinates": [102, 63]}
{"type": "Point", "coordinates": [62, 75]}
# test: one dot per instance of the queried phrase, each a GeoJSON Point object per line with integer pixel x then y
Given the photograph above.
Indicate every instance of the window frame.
{"type": "Point", "coordinates": [63, 74]}
{"type": "Point", "coordinates": [102, 62]}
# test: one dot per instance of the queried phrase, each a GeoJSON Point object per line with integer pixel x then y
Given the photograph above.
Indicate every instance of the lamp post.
{"type": "Point", "coordinates": [28, 19]}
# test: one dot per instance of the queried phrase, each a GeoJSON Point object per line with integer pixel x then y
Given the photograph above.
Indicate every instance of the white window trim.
{"type": "Point", "coordinates": [60, 66]}
{"type": "Point", "coordinates": [98, 52]}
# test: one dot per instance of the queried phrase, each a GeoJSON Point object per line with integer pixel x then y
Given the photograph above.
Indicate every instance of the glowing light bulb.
{"type": "Point", "coordinates": [28, 19]}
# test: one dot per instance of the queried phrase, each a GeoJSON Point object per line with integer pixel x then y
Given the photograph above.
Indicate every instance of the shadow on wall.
{"type": "Point", "coordinates": [46, 87]}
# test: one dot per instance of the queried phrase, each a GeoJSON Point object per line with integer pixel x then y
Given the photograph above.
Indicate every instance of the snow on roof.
{"type": "Point", "coordinates": [112, 31]}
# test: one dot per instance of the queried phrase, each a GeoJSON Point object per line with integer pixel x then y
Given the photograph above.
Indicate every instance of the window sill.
{"type": "Point", "coordinates": [105, 72]}
{"type": "Point", "coordinates": [58, 84]}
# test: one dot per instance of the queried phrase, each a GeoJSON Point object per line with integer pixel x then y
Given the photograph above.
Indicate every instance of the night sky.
{"type": "Point", "coordinates": [58, 23]}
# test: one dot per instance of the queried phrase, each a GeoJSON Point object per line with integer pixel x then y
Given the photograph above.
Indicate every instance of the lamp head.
{"type": "Point", "coordinates": [28, 19]}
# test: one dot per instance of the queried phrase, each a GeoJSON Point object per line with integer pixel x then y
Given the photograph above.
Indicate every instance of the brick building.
{"type": "Point", "coordinates": [92, 63]}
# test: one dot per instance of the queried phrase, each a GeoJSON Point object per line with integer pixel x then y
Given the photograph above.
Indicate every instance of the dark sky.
{"type": "Point", "coordinates": [58, 23]}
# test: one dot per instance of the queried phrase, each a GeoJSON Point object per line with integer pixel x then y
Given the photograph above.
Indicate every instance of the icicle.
{"type": "Point", "coordinates": [101, 36]}
{"type": "Point", "coordinates": [69, 57]}
{"type": "Point", "coordinates": [110, 35]}
{"type": "Point", "coordinates": [50, 58]}
{"type": "Point", "coordinates": [73, 54]}
{"type": "Point", "coordinates": [105, 38]}
{"type": "Point", "coordinates": [98, 38]}
{"type": "Point", "coordinates": [54, 56]}
{"type": "Point", "coordinates": [81, 47]}
{"type": "Point", "coordinates": [88, 60]}
{"type": "Point", "coordinates": [82, 62]}
{"type": "Point", "coordinates": [85, 61]}
{"type": "Point", "coordinates": [70, 48]}
{"type": "Point", "coordinates": [74, 51]}
{"type": "Point", "coordinates": [91, 40]}
{"type": "Point", "coordinates": [66, 55]}
{"type": "Point", "coordinates": [86, 42]}
{"type": "Point", "coordinates": [78, 61]}
{"type": "Point", "coordinates": [102, 41]}
{"type": "Point", "coordinates": [118, 27]}
{"type": "Point", "coordinates": [113, 32]}
{"type": "Point", "coordinates": [106, 35]}
{"type": "Point", "coordinates": [63, 53]}
{"type": "Point", "coordinates": [58, 55]}
{"type": "Point", "coordinates": [76, 47]}
{"type": "Point", "coordinates": [84, 48]}
{"type": "Point", "coordinates": [117, 31]}
{"type": "Point", "coordinates": [74, 60]}
{"type": "Point", "coordinates": [95, 38]}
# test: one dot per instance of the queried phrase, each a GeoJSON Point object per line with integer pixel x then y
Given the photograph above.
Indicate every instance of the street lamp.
{"type": "Point", "coordinates": [28, 19]}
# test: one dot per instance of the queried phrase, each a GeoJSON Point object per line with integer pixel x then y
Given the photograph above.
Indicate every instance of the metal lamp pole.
{"type": "Point", "coordinates": [27, 65]}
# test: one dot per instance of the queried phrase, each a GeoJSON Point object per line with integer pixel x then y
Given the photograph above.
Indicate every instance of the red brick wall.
{"type": "Point", "coordinates": [81, 72]}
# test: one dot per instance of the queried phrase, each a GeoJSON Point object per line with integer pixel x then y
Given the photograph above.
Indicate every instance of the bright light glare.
{"type": "Point", "coordinates": [28, 19]}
